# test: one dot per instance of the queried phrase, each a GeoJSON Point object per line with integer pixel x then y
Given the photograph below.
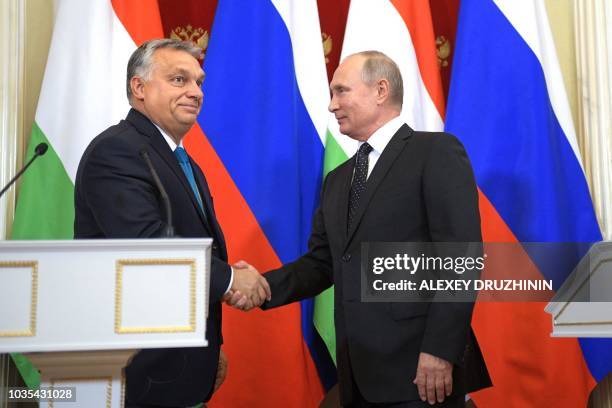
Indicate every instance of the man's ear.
{"type": "Point", "coordinates": [137, 84]}
{"type": "Point", "coordinates": [382, 91]}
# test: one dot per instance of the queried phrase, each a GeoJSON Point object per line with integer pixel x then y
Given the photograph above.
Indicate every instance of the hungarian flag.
{"type": "Point", "coordinates": [507, 104]}
{"type": "Point", "coordinates": [83, 93]}
{"type": "Point", "coordinates": [403, 30]}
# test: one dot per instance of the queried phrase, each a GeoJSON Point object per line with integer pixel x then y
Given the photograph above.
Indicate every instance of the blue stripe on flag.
{"type": "Point", "coordinates": [500, 109]}
{"type": "Point", "coordinates": [598, 355]}
{"type": "Point", "coordinates": [255, 118]}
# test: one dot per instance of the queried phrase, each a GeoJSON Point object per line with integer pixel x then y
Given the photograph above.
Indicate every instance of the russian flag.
{"type": "Point", "coordinates": [260, 143]}
{"type": "Point", "coordinates": [508, 106]}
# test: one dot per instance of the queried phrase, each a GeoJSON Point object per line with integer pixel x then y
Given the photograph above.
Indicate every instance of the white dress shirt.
{"type": "Point", "coordinates": [380, 139]}
{"type": "Point", "coordinates": [168, 139]}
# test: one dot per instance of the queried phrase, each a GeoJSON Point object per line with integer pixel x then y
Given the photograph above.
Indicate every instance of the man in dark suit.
{"type": "Point", "coordinates": [401, 186]}
{"type": "Point", "coordinates": [116, 197]}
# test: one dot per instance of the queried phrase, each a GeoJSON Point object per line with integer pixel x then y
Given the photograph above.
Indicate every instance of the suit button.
{"type": "Point", "coordinates": [346, 257]}
{"type": "Point", "coordinates": [215, 247]}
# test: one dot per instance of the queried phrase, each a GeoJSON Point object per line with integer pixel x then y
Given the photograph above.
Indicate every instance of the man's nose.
{"type": "Point", "coordinates": [195, 91]}
{"type": "Point", "coordinates": [333, 105]}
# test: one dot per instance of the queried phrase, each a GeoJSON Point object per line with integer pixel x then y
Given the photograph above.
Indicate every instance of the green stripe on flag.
{"type": "Point", "coordinates": [45, 205]}
{"type": "Point", "coordinates": [29, 373]}
{"type": "Point", "coordinates": [324, 320]}
{"type": "Point", "coordinates": [324, 303]}
{"type": "Point", "coordinates": [334, 154]}
{"type": "Point", "coordinates": [45, 210]}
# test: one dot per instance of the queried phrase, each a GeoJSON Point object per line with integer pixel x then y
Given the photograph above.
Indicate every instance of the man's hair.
{"type": "Point", "coordinates": [141, 61]}
{"type": "Point", "coordinates": [379, 66]}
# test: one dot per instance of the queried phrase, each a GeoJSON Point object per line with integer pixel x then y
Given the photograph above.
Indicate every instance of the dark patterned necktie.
{"type": "Point", "coordinates": [359, 180]}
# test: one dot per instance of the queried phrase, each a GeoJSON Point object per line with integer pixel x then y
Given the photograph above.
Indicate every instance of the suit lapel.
{"type": "Point", "coordinates": [156, 140]}
{"type": "Point", "coordinates": [383, 165]}
{"type": "Point", "coordinates": [343, 200]}
{"type": "Point", "coordinates": [208, 206]}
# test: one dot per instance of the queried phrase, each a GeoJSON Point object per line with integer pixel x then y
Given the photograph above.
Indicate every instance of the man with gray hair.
{"type": "Point", "coordinates": [402, 185]}
{"type": "Point", "coordinates": [116, 196]}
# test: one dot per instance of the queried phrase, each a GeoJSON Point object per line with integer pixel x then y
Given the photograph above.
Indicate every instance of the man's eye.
{"type": "Point", "coordinates": [178, 79]}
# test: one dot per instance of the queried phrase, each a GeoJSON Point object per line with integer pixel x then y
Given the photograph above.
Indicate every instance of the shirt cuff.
{"type": "Point", "coordinates": [229, 287]}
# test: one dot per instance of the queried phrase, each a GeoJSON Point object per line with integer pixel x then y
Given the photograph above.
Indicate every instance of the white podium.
{"type": "Point", "coordinates": [582, 307]}
{"type": "Point", "coordinates": [80, 309]}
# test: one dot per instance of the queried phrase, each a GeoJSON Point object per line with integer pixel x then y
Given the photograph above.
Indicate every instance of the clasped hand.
{"type": "Point", "coordinates": [249, 289]}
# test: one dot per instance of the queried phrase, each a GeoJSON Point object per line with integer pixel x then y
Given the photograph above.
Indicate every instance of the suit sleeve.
{"type": "Point", "coordinates": [219, 278]}
{"type": "Point", "coordinates": [307, 276]}
{"type": "Point", "coordinates": [451, 200]}
{"type": "Point", "coordinates": [122, 197]}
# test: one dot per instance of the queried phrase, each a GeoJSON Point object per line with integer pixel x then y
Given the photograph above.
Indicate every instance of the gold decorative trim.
{"type": "Point", "coordinates": [328, 44]}
{"type": "Point", "coordinates": [443, 50]}
{"type": "Point", "coordinates": [196, 35]}
{"type": "Point", "coordinates": [31, 332]}
{"type": "Point", "coordinates": [122, 401]}
{"type": "Point", "coordinates": [120, 263]}
{"type": "Point", "coordinates": [593, 271]}
{"type": "Point", "coordinates": [109, 386]}
{"type": "Point", "coordinates": [109, 393]}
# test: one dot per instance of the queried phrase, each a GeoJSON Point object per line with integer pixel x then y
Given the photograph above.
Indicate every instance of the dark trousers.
{"type": "Point", "coordinates": [454, 402]}
{"type": "Point", "coordinates": [357, 400]}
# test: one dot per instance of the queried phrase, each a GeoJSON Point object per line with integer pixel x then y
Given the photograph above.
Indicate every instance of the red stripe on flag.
{"type": "Point", "coordinates": [527, 366]}
{"type": "Point", "coordinates": [140, 18]}
{"type": "Point", "coordinates": [417, 17]}
{"type": "Point", "coordinates": [270, 365]}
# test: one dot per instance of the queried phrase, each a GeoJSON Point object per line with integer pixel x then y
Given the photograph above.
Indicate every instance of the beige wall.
{"type": "Point", "coordinates": [38, 29]}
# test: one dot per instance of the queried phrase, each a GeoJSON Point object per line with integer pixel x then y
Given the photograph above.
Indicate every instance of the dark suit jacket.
{"type": "Point", "coordinates": [422, 189]}
{"type": "Point", "coordinates": [116, 197]}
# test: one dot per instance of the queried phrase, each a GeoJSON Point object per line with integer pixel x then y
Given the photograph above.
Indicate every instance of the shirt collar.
{"type": "Point", "coordinates": [380, 139]}
{"type": "Point", "coordinates": [168, 139]}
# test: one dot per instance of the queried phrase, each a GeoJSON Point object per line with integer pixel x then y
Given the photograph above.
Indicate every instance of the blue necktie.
{"type": "Point", "coordinates": [183, 160]}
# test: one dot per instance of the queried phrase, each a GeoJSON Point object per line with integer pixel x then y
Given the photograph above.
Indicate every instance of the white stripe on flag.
{"type": "Point", "coordinates": [302, 21]}
{"type": "Point", "coordinates": [83, 90]}
{"type": "Point", "coordinates": [530, 20]}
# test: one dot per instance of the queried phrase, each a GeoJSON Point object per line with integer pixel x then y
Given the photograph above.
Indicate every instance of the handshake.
{"type": "Point", "coordinates": [249, 288]}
